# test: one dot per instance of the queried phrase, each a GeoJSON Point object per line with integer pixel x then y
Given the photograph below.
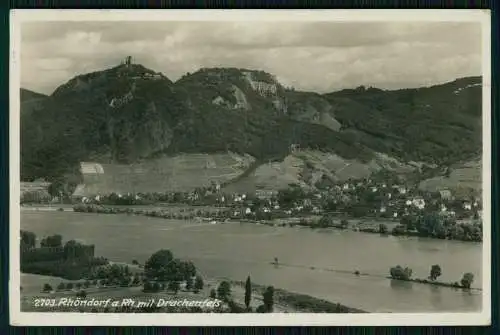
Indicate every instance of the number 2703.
{"type": "Point", "coordinates": [44, 302]}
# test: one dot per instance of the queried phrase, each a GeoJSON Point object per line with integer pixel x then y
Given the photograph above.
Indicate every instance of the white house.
{"type": "Point", "coordinates": [467, 206]}
{"type": "Point", "coordinates": [419, 202]}
{"type": "Point", "coordinates": [248, 211]}
{"type": "Point", "coordinates": [445, 194]}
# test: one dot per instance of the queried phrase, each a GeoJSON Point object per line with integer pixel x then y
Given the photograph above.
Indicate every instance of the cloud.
{"type": "Point", "coordinates": [315, 56]}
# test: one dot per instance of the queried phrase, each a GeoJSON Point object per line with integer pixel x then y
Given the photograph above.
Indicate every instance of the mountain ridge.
{"type": "Point", "coordinates": [128, 113]}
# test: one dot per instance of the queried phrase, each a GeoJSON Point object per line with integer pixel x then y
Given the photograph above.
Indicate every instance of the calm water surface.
{"type": "Point", "coordinates": [238, 250]}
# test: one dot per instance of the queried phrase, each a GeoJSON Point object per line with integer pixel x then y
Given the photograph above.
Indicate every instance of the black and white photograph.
{"type": "Point", "coordinates": [302, 167]}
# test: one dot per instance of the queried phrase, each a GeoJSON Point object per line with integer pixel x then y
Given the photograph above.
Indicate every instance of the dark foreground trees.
{"type": "Point", "coordinates": [156, 265]}
{"type": "Point", "coordinates": [268, 298]}
{"type": "Point", "coordinates": [28, 239]}
{"type": "Point", "coordinates": [248, 292]}
{"type": "Point", "coordinates": [198, 284]}
{"type": "Point", "coordinates": [51, 241]}
{"type": "Point", "coordinates": [224, 291]}
{"type": "Point", "coordinates": [162, 266]}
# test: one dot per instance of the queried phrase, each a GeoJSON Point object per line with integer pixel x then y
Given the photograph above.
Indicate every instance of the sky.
{"type": "Point", "coordinates": [310, 56]}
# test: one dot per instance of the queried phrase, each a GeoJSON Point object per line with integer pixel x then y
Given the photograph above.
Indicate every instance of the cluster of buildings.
{"type": "Point", "coordinates": [35, 192]}
{"type": "Point", "coordinates": [77, 252]}
{"type": "Point", "coordinates": [396, 200]}
{"type": "Point", "coordinates": [376, 198]}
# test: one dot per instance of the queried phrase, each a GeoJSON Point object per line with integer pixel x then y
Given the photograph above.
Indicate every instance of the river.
{"type": "Point", "coordinates": [237, 250]}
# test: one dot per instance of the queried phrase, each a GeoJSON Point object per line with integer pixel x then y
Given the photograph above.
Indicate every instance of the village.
{"type": "Point", "coordinates": [377, 204]}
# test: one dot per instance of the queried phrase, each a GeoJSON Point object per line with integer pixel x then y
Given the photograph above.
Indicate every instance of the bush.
{"type": "Point", "coordinates": [399, 230]}
{"type": "Point", "coordinates": [235, 308]}
{"type": "Point", "coordinates": [189, 283]}
{"type": "Point", "coordinates": [81, 294]}
{"type": "Point", "coordinates": [315, 305]}
{"type": "Point", "coordinates": [51, 241]}
{"type": "Point", "coordinates": [268, 298]}
{"type": "Point", "coordinates": [224, 291]}
{"type": "Point", "coordinates": [261, 309]}
{"type": "Point", "coordinates": [47, 288]}
{"type": "Point", "coordinates": [198, 284]}
{"type": "Point", "coordinates": [344, 223]}
{"type": "Point", "coordinates": [467, 280]}
{"type": "Point", "coordinates": [174, 286]}
{"type": "Point", "coordinates": [147, 287]}
{"type": "Point", "coordinates": [382, 228]}
{"type": "Point", "coordinates": [213, 294]}
{"type": "Point", "coordinates": [435, 272]}
{"type": "Point", "coordinates": [398, 272]}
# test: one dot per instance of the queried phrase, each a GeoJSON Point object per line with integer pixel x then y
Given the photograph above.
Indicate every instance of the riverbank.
{"type": "Point", "coordinates": [454, 285]}
{"type": "Point", "coordinates": [221, 215]}
{"type": "Point", "coordinates": [301, 302]}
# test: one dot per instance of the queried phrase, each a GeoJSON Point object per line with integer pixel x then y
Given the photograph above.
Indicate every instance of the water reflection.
{"type": "Point", "coordinates": [401, 284]}
{"type": "Point", "coordinates": [436, 297]}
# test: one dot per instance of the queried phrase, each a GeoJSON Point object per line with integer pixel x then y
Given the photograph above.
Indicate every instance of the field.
{"type": "Point", "coordinates": [305, 167]}
{"type": "Point", "coordinates": [178, 173]}
{"type": "Point", "coordinates": [466, 176]}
